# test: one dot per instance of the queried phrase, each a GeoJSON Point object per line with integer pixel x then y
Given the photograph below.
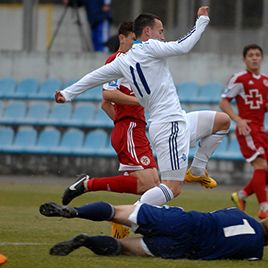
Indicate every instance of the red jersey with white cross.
{"type": "Point", "coordinates": [124, 111]}
{"type": "Point", "coordinates": [250, 92]}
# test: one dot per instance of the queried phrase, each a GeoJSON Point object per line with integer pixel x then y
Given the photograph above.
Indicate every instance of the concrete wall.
{"type": "Point", "coordinates": [202, 68]}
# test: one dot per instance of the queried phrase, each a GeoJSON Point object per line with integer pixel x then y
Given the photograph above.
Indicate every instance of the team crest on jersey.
{"type": "Point", "coordinates": [145, 160]}
{"type": "Point", "coordinates": [253, 99]}
{"type": "Point", "coordinates": [265, 82]}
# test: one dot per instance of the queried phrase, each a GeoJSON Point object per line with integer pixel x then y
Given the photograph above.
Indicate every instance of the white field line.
{"type": "Point", "coordinates": [22, 244]}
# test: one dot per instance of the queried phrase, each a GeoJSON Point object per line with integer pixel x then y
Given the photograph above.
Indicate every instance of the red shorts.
{"type": "Point", "coordinates": [255, 144]}
{"type": "Point", "coordinates": [132, 146]}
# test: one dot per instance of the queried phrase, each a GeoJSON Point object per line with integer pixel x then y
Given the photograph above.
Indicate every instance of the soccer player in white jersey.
{"type": "Point", "coordinates": [145, 68]}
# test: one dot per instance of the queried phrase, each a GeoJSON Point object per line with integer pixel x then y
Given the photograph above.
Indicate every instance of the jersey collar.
{"type": "Point", "coordinates": [137, 42]}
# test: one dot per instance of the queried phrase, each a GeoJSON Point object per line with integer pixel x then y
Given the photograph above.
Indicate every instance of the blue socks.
{"type": "Point", "coordinates": [98, 211]}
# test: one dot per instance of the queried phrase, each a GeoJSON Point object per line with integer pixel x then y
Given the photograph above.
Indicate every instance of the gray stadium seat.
{"type": "Point", "coordinates": [26, 88]}
{"type": "Point", "coordinates": [7, 87]}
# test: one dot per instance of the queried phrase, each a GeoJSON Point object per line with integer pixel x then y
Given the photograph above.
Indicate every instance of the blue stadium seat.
{"type": "Point", "coordinates": [102, 119]}
{"type": "Point", "coordinates": [188, 92]}
{"type": "Point", "coordinates": [60, 114]}
{"type": "Point", "coordinates": [47, 141]}
{"type": "Point", "coordinates": [15, 112]}
{"type": "Point", "coordinates": [48, 88]}
{"type": "Point", "coordinates": [7, 87]}
{"type": "Point", "coordinates": [233, 151]}
{"type": "Point", "coordinates": [69, 83]}
{"type": "Point", "coordinates": [95, 143]}
{"type": "Point", "coordinates": [93, 94]}
{"type": "Point", "coordinates": [1, 107]}
{"type": "Point", "coordinates": [37, 113]}
{"type": "Point", "coordinates": [221, 150]}
{"type": "Point", "coordinates": [71, 143]}
{"type": "Point", "coordinates": [6, 138]}
{"type": "Point", "coordinates": [25, 140]}
{"type": "Point", "coordinates": [26, 88]}
{"type": "Point", "coordinates": [210, 93]}
{"type": "Point", "coordinates": [83, 114]}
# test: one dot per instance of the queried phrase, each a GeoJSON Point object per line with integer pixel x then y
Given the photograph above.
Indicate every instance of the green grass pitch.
{"type": "Point", "coordinates": [26, 236]}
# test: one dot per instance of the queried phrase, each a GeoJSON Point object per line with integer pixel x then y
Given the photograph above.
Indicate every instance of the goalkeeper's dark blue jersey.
{"type": "Point", "coordinates": [170, 232]}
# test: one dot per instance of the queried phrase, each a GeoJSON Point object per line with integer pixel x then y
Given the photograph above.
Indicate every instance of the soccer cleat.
{"type": "Point", "coordinates": [204, 180]}
{"type": "Point", "coordinates": [75, 189]}
{"type": "Point", "coordinates": [66, 247]}
{"type": "Point", "coordinates": [262, 214]}
{"type": "Point", "coordinates": [239, 203]}
{"type": "Point", "coordinates": [119, 231]}
{"type": "Point", "coordinates": [3, 259]}
{"type": "Point", "coordinates": [52, 209]}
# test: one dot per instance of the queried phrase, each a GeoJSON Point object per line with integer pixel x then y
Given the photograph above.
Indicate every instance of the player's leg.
{"type": "Point", "coordinates": [252, 148]}
{"type": "Point", "coordinates": [171, 141]}
{"type": "Point", "coordinates": [209, 128]}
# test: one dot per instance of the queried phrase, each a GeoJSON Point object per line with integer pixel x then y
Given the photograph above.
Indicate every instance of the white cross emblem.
{"type": "Point", "coordinates": [253, 99]}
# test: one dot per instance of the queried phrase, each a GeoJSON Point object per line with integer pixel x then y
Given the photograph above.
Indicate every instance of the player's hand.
{"type": "Point", "coordinates": [202, 11]}
{"type": "Point", "coordinates": [243, 127]}
{"type": "Point", "coordinates": [59, 98]}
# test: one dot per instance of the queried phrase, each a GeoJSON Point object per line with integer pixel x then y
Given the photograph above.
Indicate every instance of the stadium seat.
{"type": "Point", "coordinates": [26, 88]}
{"type": "Point", "coordinates": [7, 87]}
{"type": "Point", "coordinates": [83, 114]}
{"type": "Point", "coordinates": [47, 141]}
{"type": "Point", "coordinates": [6, 138]}
{"type": "Point", "coordinates": [71, 143]}
{"type": "Point", "coordinates": [24, 141]}
{"type": "Point", "coordinates": [221, 150]}
{"type": "Point", "coordinates": [188, 92]}
{"type": "Point", "coordinates": [93, 94]}
{"type": "Point", "coordinates": [95, 143]}
{"type": "Point", "coordinates": [60, 114]}
{"type": "Point", "coordinates": [102, 119]}
{"type": "Point", "coordinates": [233, 150]}
{"type": "Point", "coordinates": [15, 112]}
{"type": "Point", "coordinates": [1, 107]}
{"type": "Point", "coordinates": [48, 88]}
{"type": "Point", "coordinates": [210, 93]}
{"type": "Point", "coordinates": [37, 113]}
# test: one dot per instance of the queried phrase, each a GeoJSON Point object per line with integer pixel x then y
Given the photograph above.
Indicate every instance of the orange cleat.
{"type": "Point", "coordinates": [204, 180]}
{"type": "Point", "coordinates": [262, 214]}
{"type": "Point", "coordinates": [3, 259]}
{"type": "Point", "coordinates": [239, 203]}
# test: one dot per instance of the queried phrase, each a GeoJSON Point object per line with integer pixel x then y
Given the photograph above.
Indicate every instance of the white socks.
{"type": "Point", "coordinates": [157, 195]}
{"type": "Point", "coordinates": [207, 146]}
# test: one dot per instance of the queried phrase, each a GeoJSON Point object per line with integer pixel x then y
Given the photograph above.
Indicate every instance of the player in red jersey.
{"type": "Point", "coordinates": [250, 89]}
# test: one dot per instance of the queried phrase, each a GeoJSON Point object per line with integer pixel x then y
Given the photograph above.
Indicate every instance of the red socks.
{"type": "Point", "coordinates": [119, 184]}
{"type": "Point", "coordinates": [257, 185]}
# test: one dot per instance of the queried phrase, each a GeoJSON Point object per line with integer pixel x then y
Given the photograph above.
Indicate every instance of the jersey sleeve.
{"type": "Point", "coordinates": [184, 45]}
{"type": "Point", "coordinates": [234, 88]}
{"type": "Point", "coordinates": [106, 73]}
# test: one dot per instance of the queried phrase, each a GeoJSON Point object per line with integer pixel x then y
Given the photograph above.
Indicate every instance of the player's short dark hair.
{"type": "Point", "coordinates": [142, 21]}
{"type": "Point", "coordinates": [251, 46]}
{"type": "Point", "coordinates": [125, 28]}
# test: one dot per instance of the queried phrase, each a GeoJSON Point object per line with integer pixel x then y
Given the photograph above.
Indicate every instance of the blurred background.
{"type": "Point", "coordinates": [46, 45]}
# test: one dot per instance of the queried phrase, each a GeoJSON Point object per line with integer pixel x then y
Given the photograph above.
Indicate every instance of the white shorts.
{"type": "Point", "coordinates": [200, 124]}
{"type": "Point", "coordinates": [171, 141]}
